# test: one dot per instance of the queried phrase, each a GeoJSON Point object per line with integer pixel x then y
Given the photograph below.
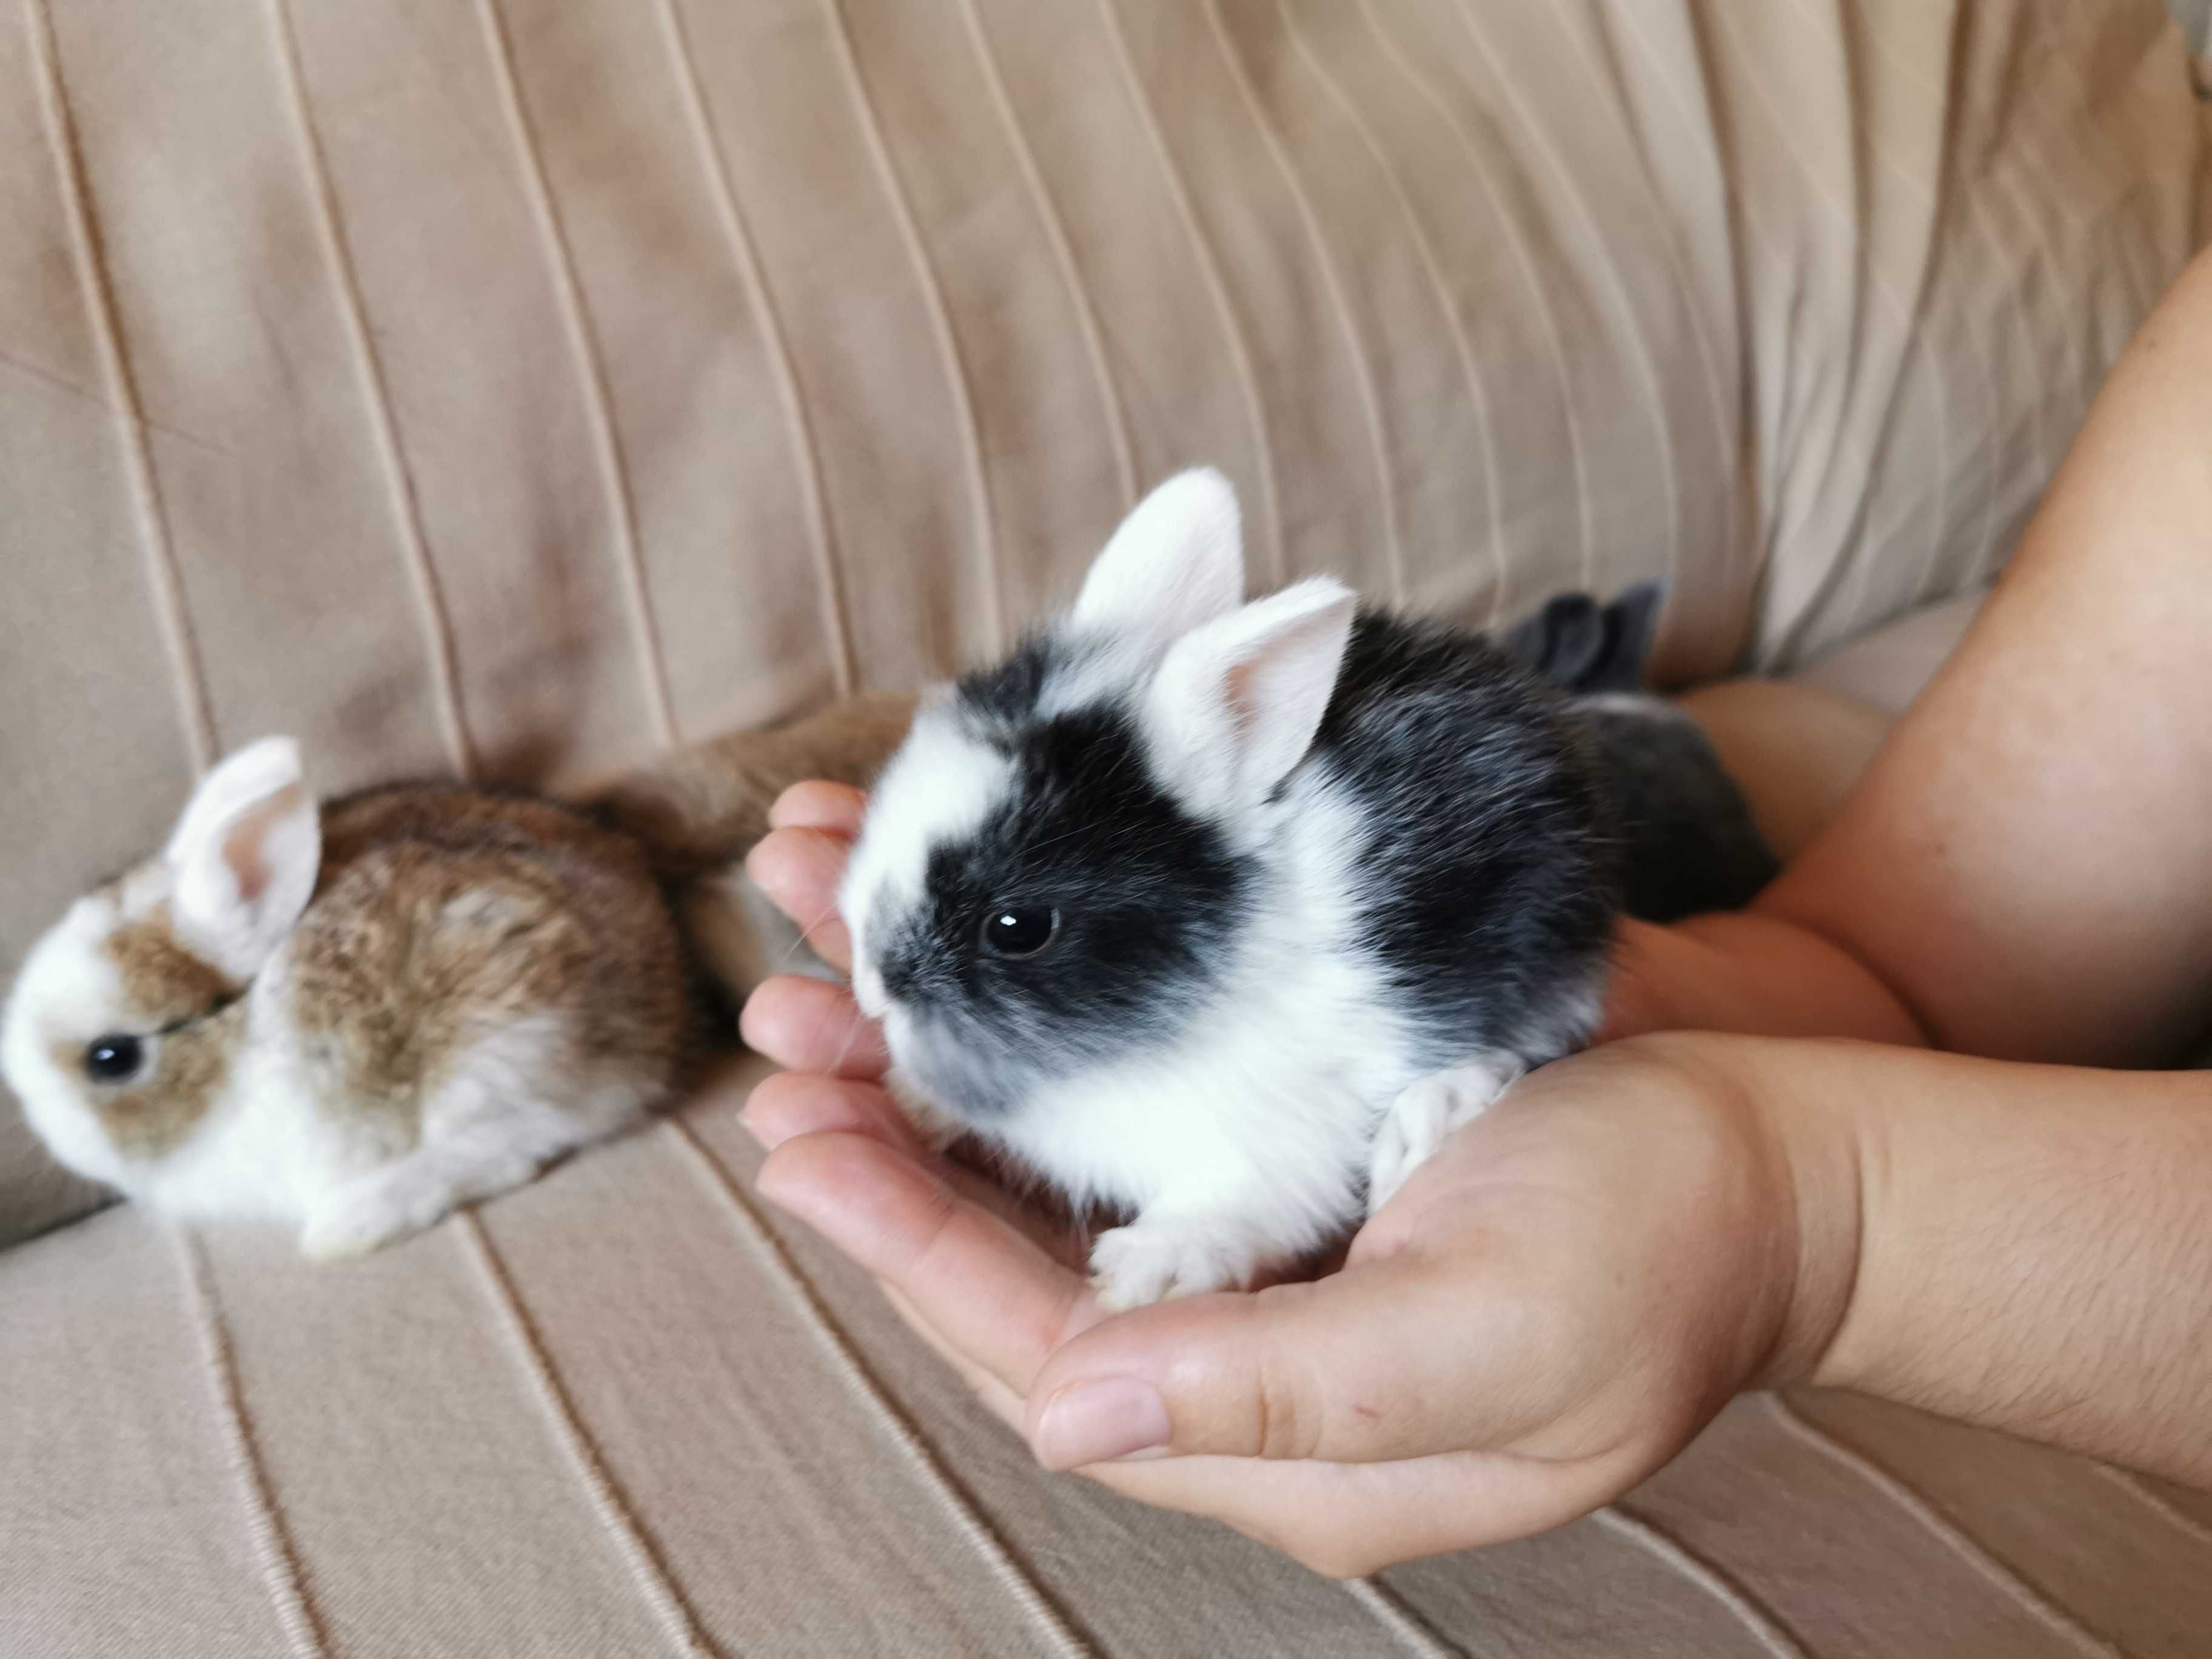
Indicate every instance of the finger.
{"type": "Point", "coordinates": [816, 804]}
{"type": "Point", "coordinates": [1340, 1519]}
{"type": "Point", "coordinates": [1345, 1520]}
{"type": "Point", "coordinates": [811, 1025]}
{"type": "Point", "coordinates": [1001, 1401]}
{"type": "Point", "coordinates": [791, 1104]}
{"type": "Point", "coordinates": [1394, 1359]}
{"type": "Point", "coordinates": [799, 869]}
{"type": "Point", "coordinates": [991, 1291]}
{"type": "Point", "coordinates": [1631, 1005]}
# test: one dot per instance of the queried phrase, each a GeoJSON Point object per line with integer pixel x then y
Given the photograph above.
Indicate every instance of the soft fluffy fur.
{"type": "Point", "coordinates": [1325, 881]}
{"type": "Point", "coordinates": [1688, 841]}
{"type": "Point", "coordinates": [698, 811]}
{"type": "Point", "coordinates": [353, 1018]}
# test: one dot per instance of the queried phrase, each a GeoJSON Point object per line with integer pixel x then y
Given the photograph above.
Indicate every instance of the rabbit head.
{"type": "Point", "coordinates": [1058, 866]}
{"type": "Point", "coordinates": [126, 1015]}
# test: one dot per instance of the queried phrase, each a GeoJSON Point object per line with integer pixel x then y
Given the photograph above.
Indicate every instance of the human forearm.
{"type": "Point", "coordinates": [2025, 1247]}
{"type": "Point", "coordinates": [2028, 863]}
{"type": "Point", "coordinates": [2026, 869]}
{"type": "Point", "coordinates": [1747, 973]}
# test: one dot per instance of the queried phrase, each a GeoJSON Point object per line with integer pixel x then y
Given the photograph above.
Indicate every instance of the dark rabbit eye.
{"type": "Point", "coordinates": [1019, 930]}
{"type": "Point", "coordinates": [112, 1059]}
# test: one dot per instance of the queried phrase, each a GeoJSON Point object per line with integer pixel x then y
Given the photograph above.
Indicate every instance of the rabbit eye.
{"type": "Point", "coordinates": [1019, 930]}
{"type": "Point", "coordinates": [112, 1058]}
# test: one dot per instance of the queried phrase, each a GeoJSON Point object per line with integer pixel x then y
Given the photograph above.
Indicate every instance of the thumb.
{"type": "Point", "coordinates": [836, 809]}
{"type": "Point", "coordinates": [1395, 1358]}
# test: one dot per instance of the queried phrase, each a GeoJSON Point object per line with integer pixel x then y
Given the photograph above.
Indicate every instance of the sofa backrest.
{"type": "Point", "coordinates": [514, 388]}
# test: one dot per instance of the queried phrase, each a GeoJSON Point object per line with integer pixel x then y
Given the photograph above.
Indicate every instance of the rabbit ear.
{"type": "Point", "coordinates": [1177, 561]}
{"type": "Point", "coordinates": [1237, 703]}
{"type": "Point", "coordinates": [245, 855]}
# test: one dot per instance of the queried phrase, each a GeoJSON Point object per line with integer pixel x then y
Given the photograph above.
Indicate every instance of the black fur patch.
{"type": "Point", "coordinates": [997, 702]}
{"type": "Point", "coordinates": [1488, 882]}
{"type": "Point", "coordinates": [1690, 845]}
{"type": "Point", "coordinates": [1578, 645]}
{"type": "Point", "coordinates": [1688, 841]}
{"type": "Point", "coordinates": [1149, 899]}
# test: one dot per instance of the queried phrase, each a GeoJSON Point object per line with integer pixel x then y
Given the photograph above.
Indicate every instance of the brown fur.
{"type": "Point", "coordinates": [162, 979]}
{"type": "Point", "coordinates": [444, 915]}
{"type": "Point", "coordinates": [155, 1115]}
{"type": "Point", "coordinates": [702, 808]}
{"type": "Point", "coordinates": [164, 982]}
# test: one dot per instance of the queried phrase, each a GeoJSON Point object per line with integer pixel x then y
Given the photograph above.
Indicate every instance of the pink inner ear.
{"type": "Point", "coordinates": [1236, 688]}
{"type": "Point", "coordinates": [245, 846]}
{"type": "Point", "coordinates": [242, 851]}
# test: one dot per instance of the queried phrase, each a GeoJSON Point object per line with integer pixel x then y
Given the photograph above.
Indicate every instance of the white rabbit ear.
{"type": "Point", "coordinates": [245, 856]}
{"type": "Point", "coordinates": [1177, 561]}
{"type": "Point", "coordinates": [1237, 703]}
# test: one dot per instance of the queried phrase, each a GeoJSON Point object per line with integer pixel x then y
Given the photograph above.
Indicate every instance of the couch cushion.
{"type": "Point", "coordinates": [628, 1411]}
{"type": "Point", "coordinates": [1889, 666]}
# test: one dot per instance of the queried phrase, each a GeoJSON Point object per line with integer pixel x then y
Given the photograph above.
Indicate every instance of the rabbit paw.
{"type": "Point", "coordinates": [1157, 1257]}
{"type": "Point", "coordinates": [354, 1223]}
{"type": "Point", "coordinates": [1425, 1111]}
{"type": "Point", "coordinates": [375, 1210]}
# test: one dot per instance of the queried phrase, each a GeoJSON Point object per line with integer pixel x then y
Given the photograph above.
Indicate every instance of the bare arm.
{"type": "Point", "coordinates": [2027, 870]}
{"type": "Point", "coordinates": [2025, 1246]}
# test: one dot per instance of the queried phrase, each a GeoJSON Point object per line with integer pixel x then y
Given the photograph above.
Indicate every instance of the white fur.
{"type": "Point", "coordinates": [938, 787]}
{"type": "Point", "coordinates": [1427, 1110]}
{"type": "Point", "coordinates": [245, 856]}
{"type": "Point", "coordinates": [277, 1141]}
{"type": "Point", "coordinates": [517, 1100]}
{"type": "Point", "coordinates": [263, 1145]}
{"type": "Point", "coordinates": [1175, 562]}
{"type": "Point", "coordinates": [1237, 700]}
{"type": "Point", "coordinates": [65, 970]}
{"type": "Point", "coordinates": [1239, 1145]}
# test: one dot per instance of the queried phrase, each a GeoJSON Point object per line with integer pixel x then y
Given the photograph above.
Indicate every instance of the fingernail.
{"type": "Point", "coordinates": [1097, 1422]}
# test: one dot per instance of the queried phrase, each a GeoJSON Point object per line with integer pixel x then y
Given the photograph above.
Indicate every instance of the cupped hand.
{"type": "Point", "coordinates": [1544, 1314]}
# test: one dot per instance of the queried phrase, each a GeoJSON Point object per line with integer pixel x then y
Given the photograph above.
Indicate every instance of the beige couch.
{"type": "Point", "coordinates": [516, 385]}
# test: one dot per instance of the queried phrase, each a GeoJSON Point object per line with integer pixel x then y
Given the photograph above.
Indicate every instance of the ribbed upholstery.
{"type": "Point", "coordinates": [628, 1411]}
{"type": "Point", "coordinates": [510, 387]}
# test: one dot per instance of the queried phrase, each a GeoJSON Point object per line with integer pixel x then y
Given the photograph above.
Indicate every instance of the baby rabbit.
{"type": "Point", "coordinates": [1226, 914]}
{"type": "Point", "coordinates": [353, 1018]}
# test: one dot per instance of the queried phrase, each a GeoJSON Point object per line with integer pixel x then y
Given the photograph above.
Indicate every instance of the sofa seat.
{"type": "Point", "coordinates": [512, 388]}
{"type": "Point", "coordinates": [630, 1411]}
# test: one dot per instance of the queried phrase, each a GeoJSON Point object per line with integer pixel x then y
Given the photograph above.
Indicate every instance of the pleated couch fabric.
{"type": "Point", "coordinates": [511, 388]}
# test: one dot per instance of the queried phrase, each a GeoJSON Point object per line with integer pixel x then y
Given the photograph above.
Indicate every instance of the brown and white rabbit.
{"type": "Point", "coordinates": [353, 1017]}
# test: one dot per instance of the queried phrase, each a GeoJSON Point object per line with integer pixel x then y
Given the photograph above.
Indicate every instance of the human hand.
{"type": "Point", "coordinates": [1544, 1314]}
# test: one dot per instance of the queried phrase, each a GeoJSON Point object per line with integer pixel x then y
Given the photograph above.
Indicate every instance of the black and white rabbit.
{"type": "Point", "coordinates": [1226, 914]}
